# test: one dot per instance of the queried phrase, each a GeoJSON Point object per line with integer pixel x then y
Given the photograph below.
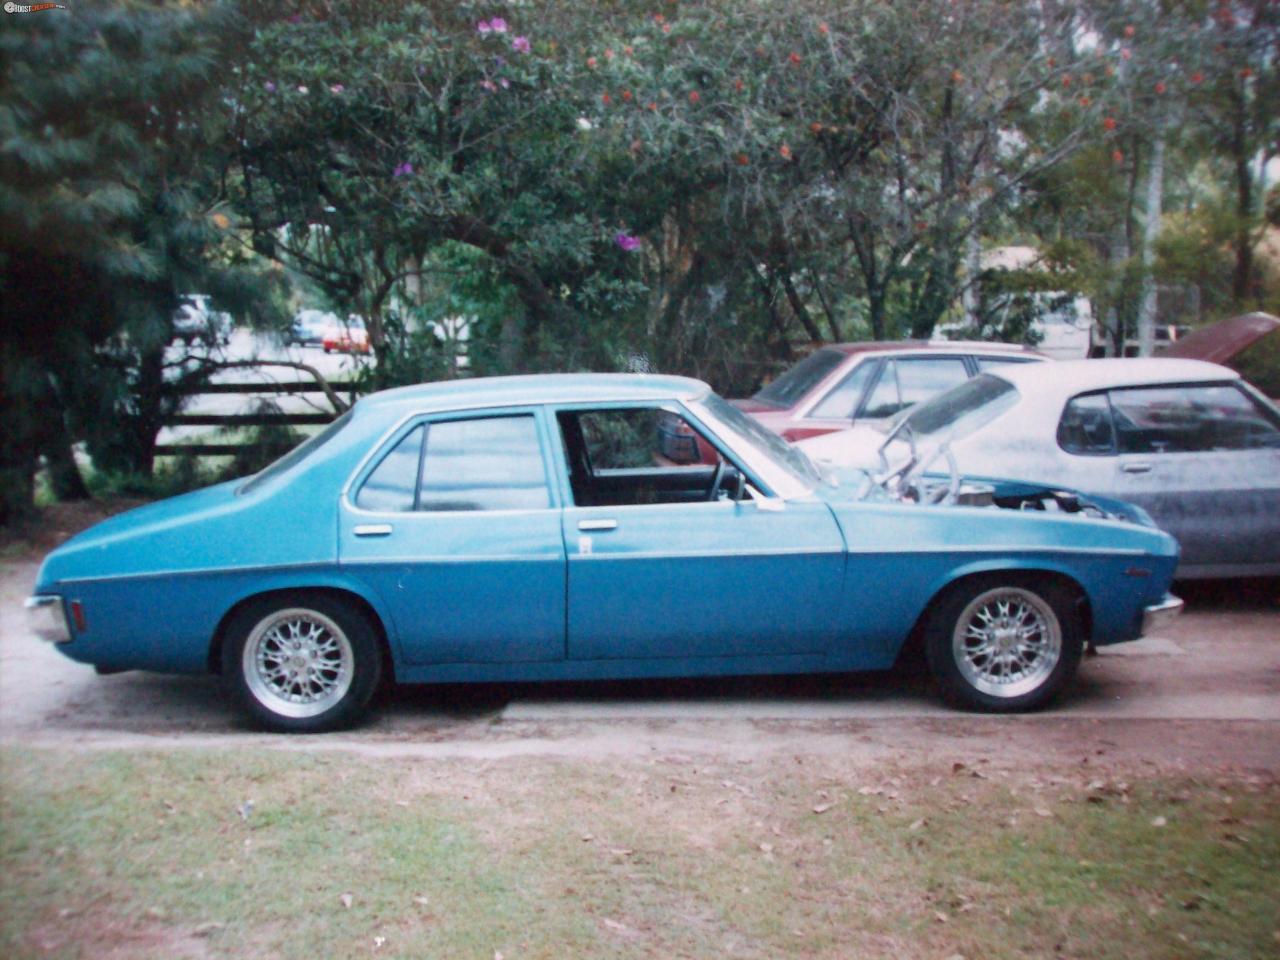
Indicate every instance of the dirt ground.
{"type": "Point", "coordinates": [1204, 695]}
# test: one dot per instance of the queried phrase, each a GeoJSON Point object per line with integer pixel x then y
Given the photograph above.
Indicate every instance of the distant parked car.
{"type": "Point", "coordinates": [348, 336]}
{"type": "Point", "coordinates": [1191, 442]}
{"type": "Point", "coordinates": [309, 326]}
{"type": "Point", "coordinates": [196, 321]}
{"type": "Point", "coordinates": [865, 382]}
{"type": "Point", "coordinates": [530, 528]}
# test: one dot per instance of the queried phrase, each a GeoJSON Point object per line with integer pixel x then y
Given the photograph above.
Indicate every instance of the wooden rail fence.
{"type": "Point", "coordinates": [239, 420]}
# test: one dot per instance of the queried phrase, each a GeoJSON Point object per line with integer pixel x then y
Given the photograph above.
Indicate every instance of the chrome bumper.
{"type": "Point", "coordinates": [47, 618]}
{"type": "Point", "coordinates": [1161, 614]}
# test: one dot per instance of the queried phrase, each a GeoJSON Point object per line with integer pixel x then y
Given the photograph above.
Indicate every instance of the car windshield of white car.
{"type": "Point", "coordinates": [790, 386]}
{"type": "Point", "coordinates": [296, 455]}
{"type": "Point", "coordinates": [961, 410]}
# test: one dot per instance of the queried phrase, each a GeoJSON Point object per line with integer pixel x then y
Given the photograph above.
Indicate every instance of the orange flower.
{"type": "Point", "coordinates": [1197, 77]}
{"type": "Point", "coordinates": [742, 159]}
{"type": "Point", "coordinates": [1129, 31]}
{"type": "Point", "coordinates": [694, 96]}
{"type": "Point", "coordinates": [1117, 157]}
{"type": "Point", "coordinates": [1160, 87]}
{"type": "Point", "coordinates": [1109, 123]}
{"type": "Point", "coordinates": [628, 50]}
{"type": "Point", "coordinates": [653, 106]}
{"type": "Point", "coordinates": [739, 85]}
{"type": "Point", "coordinates": [591, 62]}
{"type": "Point", "coordinates": [957, 76]}
{"type": "Point", "coordinates": [1085, 102]}
{"type": "Point", "coordinates": [606, 99]}
{"type": "Point", "coordinates": [1066, 79]}
{"type": "Point", "coordinates": [785, 151]}
{"type": "Point", "coordinates": [815, 128]}
{"type": "Point", "coordinates": [1126, 54]}
{"type": "Point", "coordinates": [626, 95]}
{"type": "Point", "coordinates": [1246, 73]}
{"type": "Point", "coordinates": [823, 29]}
{"type": "Point", "coordinates": [608, 53]}
{"type": "Point", "coordinates": [221, 221]}
{"type": "Point", "coordinates": [795, 57]}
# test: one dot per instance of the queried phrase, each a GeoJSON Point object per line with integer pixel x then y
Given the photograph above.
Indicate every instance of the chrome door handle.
{"type": "Point", "coordinates": [597, 524]}
{"type": "Point", "coordinates": [372, 530]}
{"type": "Point", "coordinates": [1142, 467]}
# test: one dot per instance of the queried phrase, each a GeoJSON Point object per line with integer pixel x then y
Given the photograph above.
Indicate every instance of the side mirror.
{"type": "Point", "coordinates": [767, 504]}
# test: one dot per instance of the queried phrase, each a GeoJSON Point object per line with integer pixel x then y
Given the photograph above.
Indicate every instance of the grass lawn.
{"type": "Point", "coordinates": [193, 853]}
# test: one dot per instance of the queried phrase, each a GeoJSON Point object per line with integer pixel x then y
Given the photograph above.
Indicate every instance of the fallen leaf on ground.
{"type": "Point", "coordinates": [1159, 822]}
{"type": "Point", "coordinates": [347, 900]}
{"type": "Point", "coordinates": [822, 808]}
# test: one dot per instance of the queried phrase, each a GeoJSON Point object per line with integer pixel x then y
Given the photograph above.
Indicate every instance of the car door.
{"type": "Point", "coordinates": [666, 561]}
{"type": "Point", "coordinates": [455, 525]}
{"type": "Point", "coordinates": [1204, 461]}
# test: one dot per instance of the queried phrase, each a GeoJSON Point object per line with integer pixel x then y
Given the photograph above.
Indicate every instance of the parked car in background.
{"type": "Point", "coordinates": [865, 382]}
{"type": "Point", "coordinates": [309, 326]}
{"type": "Point", "coordinates": [196, 321]}
{"type": "Point", "coordinates": [347, 336]}
{"type": "Point", "coordinates": [1190, 442]}
{"type": "Point", "coordinates": [529, 528]}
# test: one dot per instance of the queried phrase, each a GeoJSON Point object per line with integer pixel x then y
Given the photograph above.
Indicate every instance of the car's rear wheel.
{"type": "Point", "coordinates": [302, 663]}
{"type": "Point", "coordinates": [1004, 644]}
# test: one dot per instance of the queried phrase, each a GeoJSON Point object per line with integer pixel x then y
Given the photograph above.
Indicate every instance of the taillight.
{"type": "Point", "coordinates": [77, 616]}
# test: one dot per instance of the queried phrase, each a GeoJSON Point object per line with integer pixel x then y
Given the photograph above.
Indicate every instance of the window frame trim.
{"type": "Point", "coordinates": [410, 422]}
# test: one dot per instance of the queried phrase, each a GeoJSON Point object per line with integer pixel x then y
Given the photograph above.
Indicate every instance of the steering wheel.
{"type": "Point", "coordinates": [714, 489]}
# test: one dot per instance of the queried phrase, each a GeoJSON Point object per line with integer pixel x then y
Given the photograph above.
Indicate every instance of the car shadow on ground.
{"type": "Point", "coordinates": [1245, 595]}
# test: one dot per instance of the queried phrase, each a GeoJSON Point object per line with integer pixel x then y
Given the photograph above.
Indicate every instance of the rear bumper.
{"type": "Point", "coordinates": [1160, 615]}
{"type": "Point", "coordinates": [47, 618]}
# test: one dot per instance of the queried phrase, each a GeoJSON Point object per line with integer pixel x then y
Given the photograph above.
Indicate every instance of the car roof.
{"type": "Point", "coordinates": [1081, 376]}
{"type": "Point", "coordinates": [937, 346]}
{"type": "Point", "coordinates": [538, 388]}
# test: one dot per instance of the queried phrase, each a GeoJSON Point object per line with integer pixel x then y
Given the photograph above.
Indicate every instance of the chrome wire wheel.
{"type": "Point", "coordinates": [1007, 642]}
{"type": "Point", "coordinates": [298, 662]}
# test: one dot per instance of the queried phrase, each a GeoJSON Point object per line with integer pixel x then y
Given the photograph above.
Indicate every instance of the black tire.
{"type": "Point", "coordinates": [1004, 643]}
{"type": "Point", "coordinates": [302, 662]}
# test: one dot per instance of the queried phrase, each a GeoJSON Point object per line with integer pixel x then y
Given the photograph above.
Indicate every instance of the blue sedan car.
{"type": "Point", "coordinates": [533, 528]}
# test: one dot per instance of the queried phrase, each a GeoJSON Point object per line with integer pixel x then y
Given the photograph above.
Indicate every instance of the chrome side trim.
{"type": "Point", "coordinates": [1160, 615]}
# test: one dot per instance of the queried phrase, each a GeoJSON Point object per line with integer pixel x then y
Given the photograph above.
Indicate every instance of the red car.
{"type": "Point", "coordinates": [864, 382]}
{"type": "Point", "coordinates": [349, 337]}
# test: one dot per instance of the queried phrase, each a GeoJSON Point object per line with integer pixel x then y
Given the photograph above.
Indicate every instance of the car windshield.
{"type": "Point", "coordinates": [296, 455]}
{"type": "Point", "coordinates": [957, 412]}
{"type": "Point", "coordinates": [750, 431]}
{"type": "Point", "coordinates": [790, 386]}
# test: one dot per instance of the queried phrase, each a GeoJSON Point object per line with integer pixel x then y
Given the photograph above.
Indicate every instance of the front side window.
{"type": "Point", "coordinates": [1191, 419]}
{"type": "Point", "coordinates": [484, 463]}
{"type": "Point", "coordinates": [641, 455]}
{"type": "Point", "coordinates": [842, 402]}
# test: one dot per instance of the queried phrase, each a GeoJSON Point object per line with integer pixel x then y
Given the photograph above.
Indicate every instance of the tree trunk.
{"type": "Point", "coordinates": [64, 472]}
{"type": "Point", "coordinates": [1150, 231]}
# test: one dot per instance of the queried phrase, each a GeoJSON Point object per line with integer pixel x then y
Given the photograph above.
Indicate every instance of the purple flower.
{"type": "Point", "coordinates": [521, 45]}
{"type": "Point", "coordinates": [269, 87]}
{"type": "Point", "coordinates": [489, 85]}
{"type": "Point", "coordinates": [504, 83]}
{"type": "Point", "coordinates": [498, 24]}
{"type": "Point", "coordinates": [336, 88]}
{"type": "Point", "coordinates": [484, 28]}
{"type": "Point", "coordinates": [403, 170]}
{"type": "Point", "coordinates": [627, 242]}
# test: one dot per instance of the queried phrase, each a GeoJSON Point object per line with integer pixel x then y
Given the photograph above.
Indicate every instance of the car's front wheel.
{"type": "Point", "coordinates": [1004, 644]}
{"type": "Point", "coordinates": [302, 663]}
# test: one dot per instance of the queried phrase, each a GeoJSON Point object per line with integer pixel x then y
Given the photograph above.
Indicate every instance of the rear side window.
{"type": "Point", "coordinates": [489, 463]}
{"type": "Point", "coordinates": [1190, 419]}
